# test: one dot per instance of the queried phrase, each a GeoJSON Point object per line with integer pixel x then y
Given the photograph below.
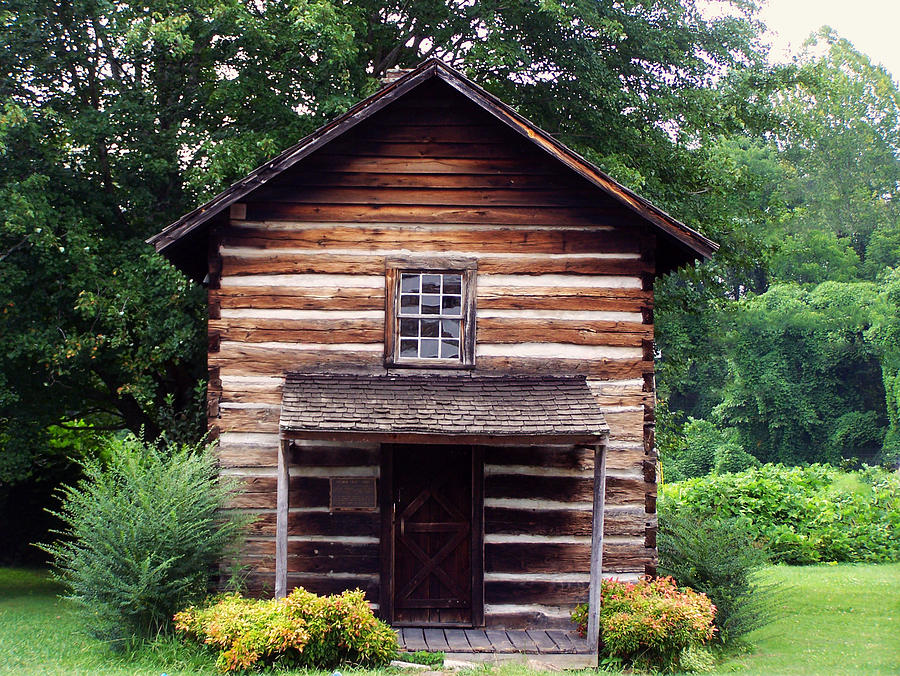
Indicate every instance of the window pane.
{"type": "Point", "coordinates": [409, 305]}
{"type": "Point", "coordinates": [449, 328]}
{"type": "Point", "coordinates": [449, 349]}
{"type": "Point", "coordinates": [431, 305]}
{"type": "Point", "coordinates": [431, 283]}
{"type": "Point", "coordinates": [409, 327]}
{"type": "Point", "coordinates": [429, 348]}
{"type": "Point", "coordinates": [453, 284]}
{"type": "Point", "coordinates": [409, 284]}
{"type": "Point", "coordinates": [408, 348]}
{"type": "Point", "coordinates": [451, 305]}
{"type": "Point", "coordinates": [430, 327]}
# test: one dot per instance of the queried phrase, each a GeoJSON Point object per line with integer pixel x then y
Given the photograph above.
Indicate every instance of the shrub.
{"type": "Point", "coordinates": [802, 514]}
{"type": "Point", "coordinates": [720, 558]}
{"type": "Point", "coordinates": [704, 448]}
{"type": "Point", "coordinates": [143, 536]}
{"type": "Point", "coordinates": [650, 622]}
{"type": "Point", "coordinates": [301, 630]}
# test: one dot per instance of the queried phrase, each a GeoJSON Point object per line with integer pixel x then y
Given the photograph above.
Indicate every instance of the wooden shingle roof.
{"type": "Point", "coordinates": [454, 407]}
{"type": "Point", "coordinates": [184, 240]}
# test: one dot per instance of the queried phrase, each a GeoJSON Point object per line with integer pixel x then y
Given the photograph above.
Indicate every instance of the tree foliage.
{"type": "Point", "coordinates": [116, 118]}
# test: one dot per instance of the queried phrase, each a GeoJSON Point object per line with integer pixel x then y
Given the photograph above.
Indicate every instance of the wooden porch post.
{"type": "Point", "coordinates": [593, 628]}
{"type": "Point", "coordinates": [281, 519]}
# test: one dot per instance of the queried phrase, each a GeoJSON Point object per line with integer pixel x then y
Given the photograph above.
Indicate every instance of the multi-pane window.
{"type": "Point", "coordinates": [430, 315]}
{"type": "Point", "coordinates": [430, 312]}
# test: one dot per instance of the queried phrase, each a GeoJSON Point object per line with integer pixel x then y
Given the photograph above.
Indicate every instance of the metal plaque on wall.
{"type": "Point", "coordinates": [353, 493]}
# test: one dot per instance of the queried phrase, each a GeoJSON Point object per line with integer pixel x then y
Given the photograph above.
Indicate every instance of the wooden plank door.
{"type": "Point", "coordinates": [436, 536]}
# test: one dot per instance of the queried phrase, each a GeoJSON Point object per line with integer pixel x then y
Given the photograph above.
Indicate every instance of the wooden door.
{"type": "Point", "coordinates": [436, 536]}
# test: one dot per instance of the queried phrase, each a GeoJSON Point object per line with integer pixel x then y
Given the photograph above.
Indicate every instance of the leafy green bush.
{"type": "Point", "coordinates": [301, 630]}
{"type": "Point", "coordinates": [143, 536]}
{"type": "Point", "coordinates": [700, 448]}
{"type": "Point", "coordinates": [650, 622]}
{"type": "Point", "coordinates": [720, 558]}
{"type": "Point", "coordinates": [803, 514]}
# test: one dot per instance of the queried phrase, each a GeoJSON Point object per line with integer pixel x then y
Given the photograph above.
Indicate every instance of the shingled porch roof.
{"type": "Point", "coordinates": [440, 409]}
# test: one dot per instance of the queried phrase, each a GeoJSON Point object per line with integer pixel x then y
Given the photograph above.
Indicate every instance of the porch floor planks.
{"type": "Point", "coordinates": [497, 641]}
{"type": "Point", "coordinates": [522, 641]}
{"type": "Point", "coordinates": [436, 640]}
{"type": "Point", "coordinates": [500, 641]}
{"type": "Point", "coordinates": [479, 641]}
{"type": "Point", "coordinates": [456, 639]}
{"type": "Point", "coordinates": [413, 639]}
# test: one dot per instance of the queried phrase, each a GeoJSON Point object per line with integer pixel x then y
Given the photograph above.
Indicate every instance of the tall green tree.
{"type": "Point", "coordinates": [118, 117]}
{"type": "Point", "coordinates": [841, 135]}
{"type": "Point", "coordinates": [804, 385]}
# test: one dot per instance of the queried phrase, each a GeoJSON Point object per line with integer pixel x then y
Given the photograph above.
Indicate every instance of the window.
{"type": "Point", "coordinates": [430, 310]}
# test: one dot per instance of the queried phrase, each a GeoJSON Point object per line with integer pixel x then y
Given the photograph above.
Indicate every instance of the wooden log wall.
{"type": "Point", "coordinates": [564, 285]}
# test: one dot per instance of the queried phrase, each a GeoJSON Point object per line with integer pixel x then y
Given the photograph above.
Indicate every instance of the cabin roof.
{"type": "Point", "coordinates": [449, 406]}
{"type": "Point", "coordinates": [182, 239]}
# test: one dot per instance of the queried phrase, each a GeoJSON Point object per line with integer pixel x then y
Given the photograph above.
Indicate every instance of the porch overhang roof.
{"type": "Point", "coordinates": [439, 409]}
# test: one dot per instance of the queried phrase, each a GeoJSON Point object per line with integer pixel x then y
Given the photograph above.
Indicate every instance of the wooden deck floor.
{"type": "Point", "coordinates": [496, 641]}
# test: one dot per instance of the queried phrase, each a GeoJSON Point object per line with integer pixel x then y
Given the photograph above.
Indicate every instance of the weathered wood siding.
{"type": "Point", "coordinates": [564, 285]}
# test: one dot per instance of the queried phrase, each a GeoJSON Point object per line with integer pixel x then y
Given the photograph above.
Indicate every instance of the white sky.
{"type": "Point", "coordinates": [873, 26]}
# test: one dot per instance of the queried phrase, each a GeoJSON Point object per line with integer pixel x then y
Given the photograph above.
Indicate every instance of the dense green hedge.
{"type": "Point", "coordinates": [802, 514]}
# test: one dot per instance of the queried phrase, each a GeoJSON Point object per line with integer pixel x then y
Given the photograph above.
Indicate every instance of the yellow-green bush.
{"type": "Point", "coordinates": [650, 622]}
{"type": "Point", "coordinates": [301, 630]}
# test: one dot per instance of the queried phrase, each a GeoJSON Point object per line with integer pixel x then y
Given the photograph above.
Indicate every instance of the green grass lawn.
{"type": "Point", "coordinates": [837, 619]}
{"type": "Point", "coordinates": [842, 619]}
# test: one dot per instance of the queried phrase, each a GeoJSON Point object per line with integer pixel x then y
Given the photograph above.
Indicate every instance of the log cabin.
{"type": "Point", "coordinates": [431, 366]}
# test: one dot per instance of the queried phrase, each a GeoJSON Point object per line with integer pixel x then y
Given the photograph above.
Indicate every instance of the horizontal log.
{"type": "Point", "coordinates": [602, 369]}
{"type": "Point", "coordinates": [368, 147]}
{"type": "Point", "coordinates": [528, 620]}
{"type": "Point", "coordinates": [497, 240]}
{"type": "Point", "coordinates": [503, 520]}
{"type": "Point", "coordinates": [320, 523]}
{"type": "Point", "coordinates": [259, 330]}
{"type": "Point", "coordinates": [340, 213]}
{"type": "Point", "coordinates": [577, 332]}
{"type": "Point", "coordinates": [627, 557]}
{"type": "Point", "coordinates": [363, 264]}
{"type": "Point", "coordinates": [247, 455]}
{"type": "Point", "coordinates": [405, 165]}
{"type": "Point", "coordinates": [317, 557]}
{"type": "Point", "coordinates": [576, 457]}
{"type": "Point", "coordinates": [531, 557]}
{"type": "Point", "coordinates": [534, 487]}
{"type": "Point", "coordinates": [450, 116]}
{"type": "Point", "coordinates": [626, 425]}
{"type": "Point", "coordinates": [248, 420]}
{"type": "Point", "coordinates": [434, 133]}
{"type": "Point", "coordinates": [455, 197]}
{"type": "Point", "coordinates": [260, 492]}
{"type": "Point", "coordinates": [251, 360]}
{"type": "Point", "coordinates": [624, 459]}
{"type": "Point", "coordinates": [263, 584]}
{"type": "Point", "coordinates": [333, 456]}
{"type": "Point", "coordinates": [230, 396]}
{"type": "Point", "coordinates": [275, 297]}
{"type": "Point", "coordinates": [555, 298]}
{"type": "Point", "coordinates": [236, 454]}
{"type": "Point", "coordinates": [385, 179]}
{"type": "Point", "coordinates": [532, 592]}
{"type": "Point", "coordinates": [490, 330]}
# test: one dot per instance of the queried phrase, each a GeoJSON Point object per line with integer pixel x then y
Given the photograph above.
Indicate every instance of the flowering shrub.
{"type": "Point", "coordinates": [651, 621]}
{"type": "Point", "coordinates": [301, 630]}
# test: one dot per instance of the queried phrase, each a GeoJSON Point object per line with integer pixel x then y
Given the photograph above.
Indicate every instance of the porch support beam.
{"type": "Point", "coordinates": [593, 628]}
{"type": "Point", "coordinates": [281, 518]}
